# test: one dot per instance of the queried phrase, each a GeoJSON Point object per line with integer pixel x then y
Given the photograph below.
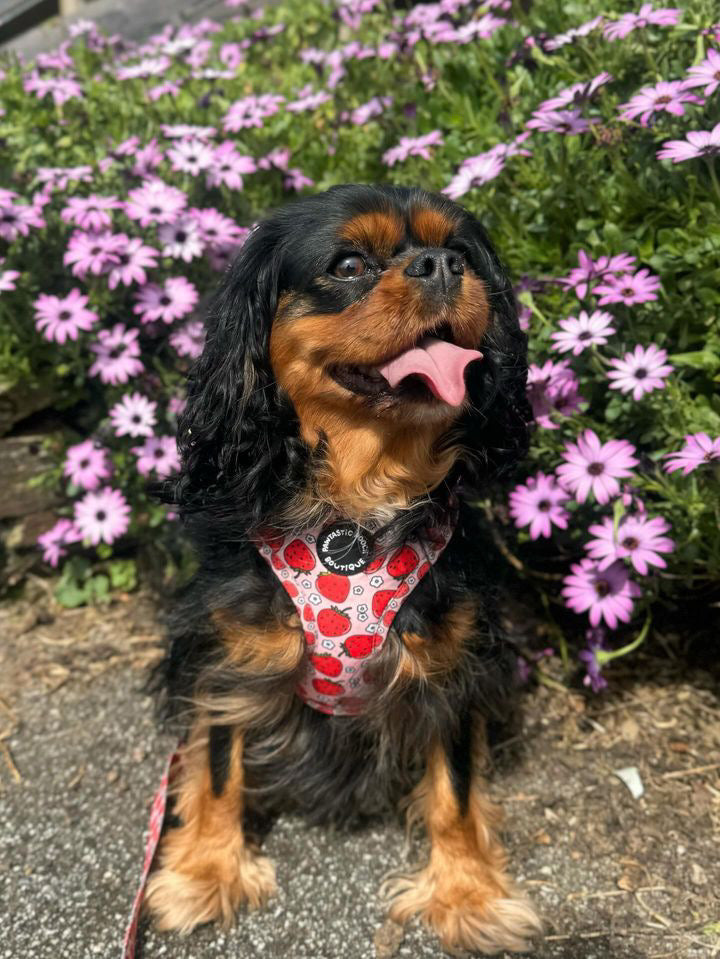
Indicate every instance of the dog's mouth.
{"type": "Point", "coordinates": [431, 370]}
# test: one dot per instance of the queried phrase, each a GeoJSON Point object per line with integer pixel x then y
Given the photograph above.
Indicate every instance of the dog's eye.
{"type": "Point", "coordinates": [349, 267]}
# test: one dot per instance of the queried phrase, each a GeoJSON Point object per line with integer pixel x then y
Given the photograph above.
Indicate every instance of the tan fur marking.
{"type": "Point", "coordinates": [431, 227]}
{"type": "Point", "coordinates": [206, 868]}
{"type": "Point", "coordinates": [278, 648]}
{"type": "Point", "coordinates": [379, 233]}
{"type": "Point", "coordinates": [463, 893]}
{"type": "Point", "coordinates": [425, 659]}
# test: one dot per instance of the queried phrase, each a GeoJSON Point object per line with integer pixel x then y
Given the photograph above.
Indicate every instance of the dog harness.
{"type": "Point", "coordinates": [346, 601]}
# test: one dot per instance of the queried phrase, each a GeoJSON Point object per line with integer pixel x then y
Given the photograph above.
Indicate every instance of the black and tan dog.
{"type": "Point", "coordinates": [364, 374]}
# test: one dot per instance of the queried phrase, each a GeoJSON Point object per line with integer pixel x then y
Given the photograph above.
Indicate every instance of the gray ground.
{"type": "Point", "coordinates": [617, 878]}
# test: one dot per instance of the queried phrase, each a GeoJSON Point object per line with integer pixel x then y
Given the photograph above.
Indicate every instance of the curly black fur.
{"type": "Point", "coordinates": [243, 459]}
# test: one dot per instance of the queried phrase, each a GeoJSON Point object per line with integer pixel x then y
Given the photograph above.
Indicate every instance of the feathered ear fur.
{"type": "Point", "coordinates": [238, 440]}
{"type": "Point", "coordinates": [495, 429]}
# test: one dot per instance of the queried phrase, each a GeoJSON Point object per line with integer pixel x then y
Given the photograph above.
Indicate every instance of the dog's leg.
{"type": "Point", "coordinates": [206, 869]}
{"type": "Point", "coordinates": [463, 893]}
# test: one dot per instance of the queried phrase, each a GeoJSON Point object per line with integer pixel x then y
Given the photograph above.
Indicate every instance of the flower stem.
{"type": "Point", "coordinates": [604, 656]}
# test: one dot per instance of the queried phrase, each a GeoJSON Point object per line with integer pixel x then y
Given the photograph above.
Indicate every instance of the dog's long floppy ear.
{"type": "Point", "coordinates": [496, 425]}
{"type": "Point", "coordinates": [238, 440]}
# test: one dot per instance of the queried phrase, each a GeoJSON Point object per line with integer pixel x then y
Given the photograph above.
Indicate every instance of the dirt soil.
{"type": "Point", "coordinates": [616, 877]}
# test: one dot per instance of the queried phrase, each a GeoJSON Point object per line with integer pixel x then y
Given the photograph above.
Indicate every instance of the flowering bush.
{"type": "Point", "coordinates": [133, 174]}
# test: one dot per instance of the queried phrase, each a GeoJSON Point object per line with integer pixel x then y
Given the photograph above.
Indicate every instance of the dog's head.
{"type": "Point", "coordinates": [362, 352]}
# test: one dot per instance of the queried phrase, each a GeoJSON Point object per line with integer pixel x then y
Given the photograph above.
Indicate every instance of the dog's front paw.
{"type": "Point", "coordinates": [464, 909]}
{"type": "Point", "coordinates": [186, 892]}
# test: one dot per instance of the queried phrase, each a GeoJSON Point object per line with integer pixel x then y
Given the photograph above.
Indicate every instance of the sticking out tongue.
{"type": "Point", "coordinates": [439, 364]}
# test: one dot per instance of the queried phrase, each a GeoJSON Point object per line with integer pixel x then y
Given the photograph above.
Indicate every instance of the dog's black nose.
{"type": "Point", "coordinates": [440, 270]}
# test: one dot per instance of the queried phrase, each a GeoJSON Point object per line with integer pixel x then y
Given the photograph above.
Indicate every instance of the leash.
{"type": "Point", "coordinates": [157, 818]}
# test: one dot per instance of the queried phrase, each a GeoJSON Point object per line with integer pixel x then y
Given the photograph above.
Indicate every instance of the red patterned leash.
{"type": "Point", "coordinates": [157, 817]}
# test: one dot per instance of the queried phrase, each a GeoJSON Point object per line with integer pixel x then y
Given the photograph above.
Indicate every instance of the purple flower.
{"type": "Point", "coordinates": [102, 516]}
{"type": "Point", "coordinates": [307, 100]}
{"type": "Point", "coordinates": [149, 67]}
{"type": "Point", "coordinates": [537, 504]}
{"type": "Point", "coordinates": [278, 159]}
{"type": "Point", "coordinates": [190, 156]}
{"type": "Point", "coordinates": [189, 339]}
{"type": "Point", "coordinates": [479, 169]}
{"type": "Point", "coordinates": [698, 143]}
{"type": "Point", "coordinates": [366, 111]}
{"type": "Point", "coordinates": [664, 17]}
{"type": "Point", "coordinates": [698, 450]}
{"type": "Point", "coordinates": [637, 538]}
{"type": "Point", "coordinates": [86, 464]}
{"type": "Point", "coordinates": [62, 318]}
{"type": "Point", "coordinates": [90, 213]}
{"type": "Point", "coordinates": [93, 252]}
{"type": "Point", "coordinates": [171, 301]}
{"type": "Point", "coordinates": [117, 352]}
{"type": "Point", "coordinates": [228, 166]}
{"type": "Point", "coordinates": [641, 371]}
{"type": "Point", "coordinates": [562, 39]}
{"type": "Point", "coordinates": [17, 220]}
{"type": "Point", "coordinates": [163, 89]}
{"type": "Point", "coordinates": [607, 594]}
{"type": "Point", "coordinates": [295, 179]}
{"type": "Point", "coordinates": [664, 96]}
{"type": "Point", "coordinates": [628, 288]}
{"type": "Point", "coordinates": [147, 159]}
{"type": "Point", "coordinates": [133, 415]}
{"type": "Point", "coordinates": [58, 178]}
{"type": "Point", "coordinates": [181, 239]}
{"type": "Point", "coordinates": [705, 74]}
{"type": "Point", "coordinates": [559, 121]}
{"type": "Point", "coordinates": [583, 277]}
{"type": "Point", "coordinates": [216, 229]}
{"type": "Point", "coordinates": [574, 95]}
{"type": "Point", "coordinates": [184, 131]}
{"type": "Point", "coordinates": [594, 467]}
{"type": "Point", "coordinates": [131, 264]}
{"type": "Point", "coordinates": [61, 89]}
{"type": "Point", "coordinates": [53, 540]}
{"type": "Point", "coordinates": [155, 202]}
{"type": "Point", "coordinates": [581, 331]}
{"type": "Point", "coordinates": [412, 146]}
{"type": "Point", "coordinates": [595, 641]}
{"type": "Point", "coordinates": [159, 454]}
{"type": "Point", "coordinates": [552, 388]}
{"type": "Point", "coordinates": [251, 111]}
{"type": "Point", "coordinates": [7, 279]}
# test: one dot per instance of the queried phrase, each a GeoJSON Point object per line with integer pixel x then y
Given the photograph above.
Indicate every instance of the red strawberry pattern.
{"type": "Point", "coordinates": [346, 619]}
{"type": "Point", "coordinates": [299, 557]}
{"type": "Point", "coordinates": [333, 586]}
{"type": "Point", "coordinates": [403, 562]}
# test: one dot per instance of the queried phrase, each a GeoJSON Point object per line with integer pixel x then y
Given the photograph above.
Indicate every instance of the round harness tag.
{"type": "Point", "coordinates": [345, 548]}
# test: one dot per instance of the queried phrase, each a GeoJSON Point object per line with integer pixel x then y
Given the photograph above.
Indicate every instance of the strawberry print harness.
{"type": "Point", "coordinates": [346, 602]}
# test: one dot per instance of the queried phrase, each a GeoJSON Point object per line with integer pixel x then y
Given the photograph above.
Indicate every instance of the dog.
{"type": "Point", "coordinates": [338, 650]}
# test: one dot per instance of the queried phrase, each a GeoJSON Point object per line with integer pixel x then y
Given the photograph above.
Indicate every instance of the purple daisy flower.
{"type": "Point", "coordinates": [60, 88]}
{"type": "Point", "coordinates": [698, 450]}
{"type": "Point", "coordinates": [562, 39]}
{"type": "Point", "coordinates": [181, 239]}
{"type": "Point", "coordinates": [559, 121]}
{"type": "Point", "coordinates": [552, 388]}
{"type": "Point", "coordinates": [190, 156]}
{"type": "Point", "coordinates": [705, 74]}
{"type": "Point", "coordinates": [132, 261]}
{"type": "Point", "coordinates": [576, 94]}
{"type": "Point", "coordinates": [102, 516]}
{"type": "Point", "coordinates": [295, 179]}
{"type": "Point", "coordinates": [581, 331]}
{"type": "Point", "coordinates": [90, 212]}
{"type": "Point", "coordinates": [251, 111]}
{"type": "Point", "coordinates": [147, 159]}
{"type": "Point", "coordinates": [167, 88]}
{"type": "Point", "coordinates": [216, 229]}
{"type": "Point", "coordinates": [171, 301]}
{"type": "Point", "coordinates": [117, 352]}
{"type": "Point", "coordinates": [698, 143]}
{"type": "Point", "coordinates": [374, 107]}
{"type": "Point", "coordinates": [667, 97]}
{"type": "Point", "coordinates": [413, 146]}
{"type": "Point", "coordinates": [628, 288]}
{"type": "Point", "coordinates": [189, 339]}
{"type": "Point", "coordinates": [62, 318]}
{"type": "Point", "coordinates": [7, 279]}
{"type": "Point", "coordinates": [640, 539]}
{"type": "Point", "coordinates": [17, 220]}
{"type": "Point", "coordinates": [86, 464]}
{"type": "Point", "coordinates": [158, 454]}
{"type": "Point", "coordinates": [93, 252]}
{"type": "Point", "coordinates": [641, 371]}
{"type": "Point", "coordinates": [155, 202]}
{"type": "Point", "coordinates": [307, 100]}
{"type": "Point", "coordinates": [645, 17]}
{"type": "Point", "coordinates": [583, 277]}
{"type": "Point", "coordinates": [594, 467]}
{"type": "Point", "coordinates": [133, 415]}
{"type": "Point", "coordinates": [537, 504]}
{"type": "Point", "coordinates": [228, 166]}
{"type": "Point", "coordinates": [53, 540]}
{"type": "Point", "coordinates": [608, 594]}
{"type": "Point", "coordinates": [596, 641]}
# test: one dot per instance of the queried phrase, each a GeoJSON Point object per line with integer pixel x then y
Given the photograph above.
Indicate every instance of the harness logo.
{"type": "Point", "coordinates": [345, 548]}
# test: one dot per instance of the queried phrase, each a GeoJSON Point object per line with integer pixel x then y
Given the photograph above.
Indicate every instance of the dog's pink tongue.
{"type": "Point", "coordinates": [441, 365]}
